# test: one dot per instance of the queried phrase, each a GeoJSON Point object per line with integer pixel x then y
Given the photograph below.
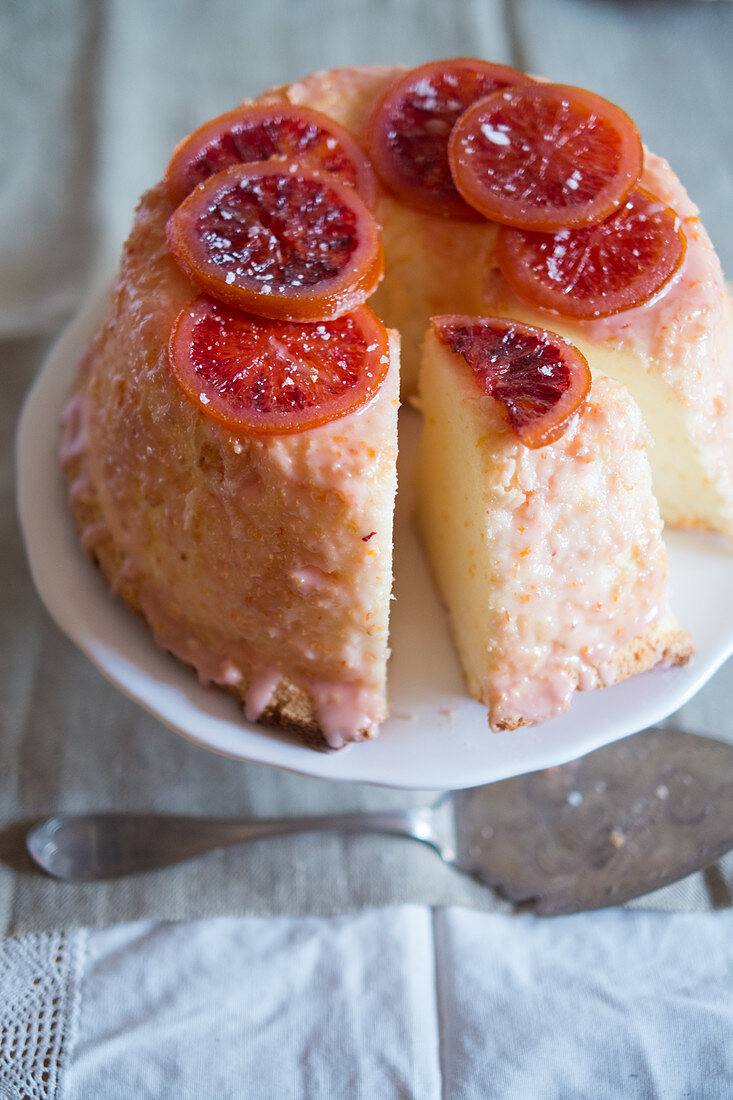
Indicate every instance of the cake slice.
{"type": "Point", "coordinates": [264, 562]}
{"type": "Point", "coordinates": [549, 558]}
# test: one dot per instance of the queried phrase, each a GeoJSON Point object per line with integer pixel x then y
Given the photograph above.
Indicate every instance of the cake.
{"type": "Point", "coordinates": [673, 353]}
{"type": "Point", "coordinates": [432, 265]}
{"type": "Point", "coordinates": [265, 563]}
{"type": "Point", "coordinates": [549, 559]}
{"type": "Point", "coordinates": [264, 560]}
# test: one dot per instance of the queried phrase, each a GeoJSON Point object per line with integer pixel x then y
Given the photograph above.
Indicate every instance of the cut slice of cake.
{"type": "Point", "coordinates": [265, 562]}
{"type": "Point", "coordinates": [549, 558]}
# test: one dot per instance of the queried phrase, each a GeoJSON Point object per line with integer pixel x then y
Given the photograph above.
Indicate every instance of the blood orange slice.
{"type": "Point", "coordinates": [408, 130]}
{"type": "Point", "coordinates": [545, 156]}
{"type": "Point", "coordinates": [263, 377]}
{"type": "Point", "coordinates": [600, 269]}
{"type": "Point", "coordinates": [538, 378]}
{"type": "Point", "coordinates": [265, 132]}
{"type": "Point", "coordinates": [277, 240]}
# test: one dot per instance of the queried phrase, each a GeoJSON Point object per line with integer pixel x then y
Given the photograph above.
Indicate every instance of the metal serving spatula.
{"type": "Point", "coordinates": [622, 821]}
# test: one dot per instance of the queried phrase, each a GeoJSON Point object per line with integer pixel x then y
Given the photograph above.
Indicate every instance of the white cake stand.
{"type": "Point", "coordinates": [437, 737]}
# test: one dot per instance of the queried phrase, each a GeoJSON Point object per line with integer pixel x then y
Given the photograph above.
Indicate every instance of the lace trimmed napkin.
{"type": "Point", "coordinates": [39, 1002]}
{"type": "Point", "coordinates": [406, 1001]}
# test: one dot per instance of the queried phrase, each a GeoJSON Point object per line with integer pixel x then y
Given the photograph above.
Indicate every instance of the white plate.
{"type": "Point", "coordinates": [437, 737]}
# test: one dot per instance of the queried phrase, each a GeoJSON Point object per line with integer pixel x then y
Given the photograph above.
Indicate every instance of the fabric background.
{"type": "Point", "coordinates": [396, 1004]}
{"type": "Point", "coordinates": [93, 97]}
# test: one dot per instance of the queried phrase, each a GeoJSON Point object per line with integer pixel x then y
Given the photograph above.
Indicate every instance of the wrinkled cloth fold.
{"type": "Point", "coordinates": [443, 1004]}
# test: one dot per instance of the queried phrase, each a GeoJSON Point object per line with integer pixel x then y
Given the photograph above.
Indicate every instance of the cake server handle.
{"type": "Point", "coordinates": [88, 847]}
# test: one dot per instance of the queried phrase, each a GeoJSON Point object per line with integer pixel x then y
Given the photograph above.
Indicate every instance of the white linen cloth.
{"type": "Point", "coordinates": [403, 1003]}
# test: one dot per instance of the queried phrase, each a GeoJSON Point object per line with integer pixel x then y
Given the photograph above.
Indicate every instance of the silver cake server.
{"type": "Point", "coordinates": [618, 823]}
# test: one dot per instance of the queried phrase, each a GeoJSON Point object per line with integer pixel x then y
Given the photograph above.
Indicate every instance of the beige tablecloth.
{"type": "Point", "coordinates": [93, 96]}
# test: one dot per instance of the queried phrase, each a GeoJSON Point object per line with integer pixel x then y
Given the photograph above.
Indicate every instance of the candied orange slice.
{"type": "Point", "coordinates": [600, 269]}
{"type": "Point", "coordinates": [266, 132]}
{"type": "Point", "coordinates": [538, 378]}
{"type": "Point", "coordinates": [280, 241]}
{"type": "Point", "coordinates": [408, 130]}
{"type": "Point", "coordinates": [545, 156]}
{"type": "Point", "coordinates": [263, 377]}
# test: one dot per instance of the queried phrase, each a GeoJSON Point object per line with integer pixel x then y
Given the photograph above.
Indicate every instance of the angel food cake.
{"type": "Point", "coordinates": [564, 582]}
{"type": "Point", "coordinates": [673, 350]}
{"type": "Point", "coordinates": [263, 561]}
{"type": "Point", "coordinates": [231, 444]}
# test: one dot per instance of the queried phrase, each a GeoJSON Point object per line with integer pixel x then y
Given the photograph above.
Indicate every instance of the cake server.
{"type": "Point", "coordinates": [624, 820]}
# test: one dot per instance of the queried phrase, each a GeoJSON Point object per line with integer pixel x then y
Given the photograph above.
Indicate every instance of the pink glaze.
{"type": "Point", "coordinates": [128, 571]}
{"type": "Point", "coordinates": [336, 705]}
{"type": "Point", "coordinates": [309, 580]}
{"type": "Point", "coordinates": [92, 535]}
{"type": "Point", "coordinates": [73, 429]}
{"type": "Point", "coordinates": [687, 330]}
{"type": "Point", "coordinates": [691, 303]}
{"type": "Point", "coordinates": [683, 336]}
{"type": "Point", "coordinates": [79, 487]}
{"type": "Point", "coordinates": [261, 688]}
{"type": "Point", "coordinates": [584, 565]}
{"type": "Point", "coordinates": [550, 560]}
{"type": "Point", "coordinates": [687, 324]}
{"type": "Point", "coordinates": [246, 554]}
{"type": "Point", "coordinates": [205, 655]}
{"type": "Point", "coordinates": [226, 585]}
